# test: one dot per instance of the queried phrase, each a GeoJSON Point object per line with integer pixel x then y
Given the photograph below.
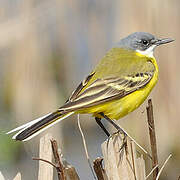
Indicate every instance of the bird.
{"type": "Point", "coordinates": [119, 84]}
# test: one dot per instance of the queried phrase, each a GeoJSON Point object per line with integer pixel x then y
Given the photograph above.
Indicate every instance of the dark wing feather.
{"type": "Point", "coordinates": [104, 90]}
{"type": "Point", "coordinates": [80, 87]}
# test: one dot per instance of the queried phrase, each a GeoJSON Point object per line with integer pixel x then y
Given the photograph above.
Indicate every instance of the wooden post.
{"type": "Point", "coordinates": [65, 170]}
{"type": "Point", "coordinates": [121, 161]}
{"type": "Point", "coordinates": [99, 170]}
{"type": "Point", "coordinates": [152, 136]}
{"type": "Point", "coordinates": [49, 148]}
{"type": "Point", "coordinates": [45, 152]}
{"type": "Point", "coordinates": [1, 176]}
{"type": "Point", "coordinates": [18, 176]}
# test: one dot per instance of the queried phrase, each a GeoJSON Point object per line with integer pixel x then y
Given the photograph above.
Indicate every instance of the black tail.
{"type": "Point", "coordinates": [33, 128]}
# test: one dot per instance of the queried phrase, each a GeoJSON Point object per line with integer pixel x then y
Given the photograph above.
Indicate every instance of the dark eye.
{"type": "Point", "coordinates": [145, 42]}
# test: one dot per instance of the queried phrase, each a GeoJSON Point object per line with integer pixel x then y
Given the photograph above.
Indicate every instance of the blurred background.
{"type": "Point", "coordinates": [48, 47]}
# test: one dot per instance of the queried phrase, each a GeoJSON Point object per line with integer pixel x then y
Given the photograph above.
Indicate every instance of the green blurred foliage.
{"type": "Point", "coordinates": [9, 150]}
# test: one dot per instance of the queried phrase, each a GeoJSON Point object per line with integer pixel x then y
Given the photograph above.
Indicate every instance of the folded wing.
{"type": "Point", "coordinates": [107, 89]}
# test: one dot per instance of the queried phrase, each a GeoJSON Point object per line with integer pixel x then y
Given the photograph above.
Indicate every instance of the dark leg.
{"type": "Point", "coordinates": [113, 123]}
{"type": "Point", "coordinates": [98, 120]}
{"type": "Point", "coordinates": [118, 128]}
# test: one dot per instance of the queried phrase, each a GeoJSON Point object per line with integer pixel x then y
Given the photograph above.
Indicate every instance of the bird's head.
{"type": "Point", "coordinates": [142, 42]}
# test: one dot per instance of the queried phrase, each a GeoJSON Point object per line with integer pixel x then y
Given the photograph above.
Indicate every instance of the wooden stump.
{"type": "Point", "coordinates": [121, 161]}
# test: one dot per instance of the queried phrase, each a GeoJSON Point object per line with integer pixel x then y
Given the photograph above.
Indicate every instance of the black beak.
{"type": "Point", "coordinates": [163, 41]}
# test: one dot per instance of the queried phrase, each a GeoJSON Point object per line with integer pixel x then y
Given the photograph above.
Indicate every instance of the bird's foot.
{"type": "Point", "coordinates": [122, 135]}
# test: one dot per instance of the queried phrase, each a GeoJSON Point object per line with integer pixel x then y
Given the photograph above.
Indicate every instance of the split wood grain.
{"type": "Point", "coordinates": [121, 161]}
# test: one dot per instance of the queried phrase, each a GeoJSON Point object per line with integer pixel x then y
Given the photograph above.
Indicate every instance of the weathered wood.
{"type": "Point", "coordinates": [99, 170]}
{"type": "Point", "coordinates": [59, 166]}
{"type": "Point", "coordinates": [121, 161]}
{"type": "Point", "coordinates": [64, 169]}
{"type": "Point", "coordinates": [1, 176]}
{"type": "Point", "coordinates": [152, 136]}
{"type": "Point", "coordinates": [70, 171]}
{"type": "Point", "coordinates": [45, 152]}
{"type": "Point", "coordinates": [18, 176]}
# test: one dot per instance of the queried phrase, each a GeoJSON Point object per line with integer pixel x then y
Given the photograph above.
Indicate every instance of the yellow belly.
{"type": "Point", "coordinates": [119, 108]}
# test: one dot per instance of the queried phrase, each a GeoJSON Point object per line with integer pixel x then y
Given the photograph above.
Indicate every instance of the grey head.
{"type": "Point", "coordinates": [142, 42]}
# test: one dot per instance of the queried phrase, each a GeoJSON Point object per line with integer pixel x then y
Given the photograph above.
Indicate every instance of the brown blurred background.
{"type": "Point", "coordinates": [48, 47]}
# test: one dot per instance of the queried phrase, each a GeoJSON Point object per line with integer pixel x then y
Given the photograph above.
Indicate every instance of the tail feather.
{"type": "Point", "coordinates": [33, 128]}
{"type": "Point", "coordinates": [27, 124]}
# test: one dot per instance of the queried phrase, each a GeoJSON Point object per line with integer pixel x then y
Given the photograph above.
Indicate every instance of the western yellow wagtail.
{"type": "Point", "coordinates": [118, 85]}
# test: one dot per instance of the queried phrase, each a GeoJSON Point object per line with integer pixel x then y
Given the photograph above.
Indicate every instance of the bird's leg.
{"type": "Point", "coordinates": [98, 120]}
{"type": "Point", "coordinates": [116, 126]}
{"type": "Point", "coordinates": [113, 123]}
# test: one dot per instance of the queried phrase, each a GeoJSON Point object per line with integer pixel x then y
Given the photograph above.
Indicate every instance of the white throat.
{"type": "Point", "coordinates": [148, 52]}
